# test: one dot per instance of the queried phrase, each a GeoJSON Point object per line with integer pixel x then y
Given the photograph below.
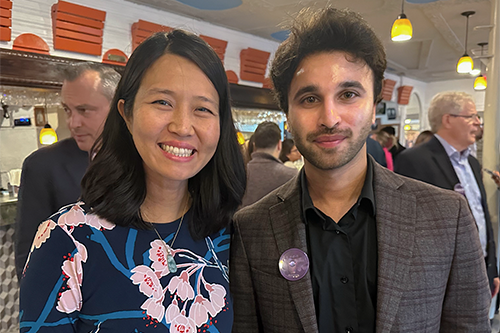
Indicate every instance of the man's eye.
{"type": "Point", "coordinates": [309, 99]}
{"type": "Point", "coordinates": [349, 95]}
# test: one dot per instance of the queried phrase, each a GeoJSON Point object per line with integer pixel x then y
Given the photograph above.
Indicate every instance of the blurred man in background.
{"type": "Point", "coordinates": [51, 176]}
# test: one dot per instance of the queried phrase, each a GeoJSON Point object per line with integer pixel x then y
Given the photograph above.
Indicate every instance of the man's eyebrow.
{"type": "Point", "coordinates": [81, 106]}
{"type": "Point", "coordinates": [307, 89]}
{"type": "Point", "coordinates": [352, 84]}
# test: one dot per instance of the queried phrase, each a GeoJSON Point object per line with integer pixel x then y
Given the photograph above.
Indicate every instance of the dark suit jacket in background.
{"type": "Point", "coordinates": [264, 174]}
{"type": "Point", "coordinates": [375, 149]}
{"type": "Point", "coordinates": [431, 271]}
{"type": "Point", "coordinates": [50, 179]}
{"type": "Point", "coordinates": [430, 163]}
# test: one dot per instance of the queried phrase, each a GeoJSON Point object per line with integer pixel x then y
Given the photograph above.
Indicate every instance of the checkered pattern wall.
{"type": "Point", "coordinates": [9, 289]}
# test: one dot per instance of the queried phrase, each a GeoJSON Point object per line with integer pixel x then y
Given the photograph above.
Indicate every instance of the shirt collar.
{"type": "Point", "coordinates": [367, 193]}
{"type": "Point", "coordinates": [452, 153]}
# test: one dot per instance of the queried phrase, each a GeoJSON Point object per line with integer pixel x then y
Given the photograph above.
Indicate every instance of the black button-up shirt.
{"type": "Point", "coordinates": [343, 262]}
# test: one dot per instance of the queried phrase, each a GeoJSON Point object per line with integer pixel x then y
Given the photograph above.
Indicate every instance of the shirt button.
{"type": "Point", "coordinates": [344, 280]}
{"type": "Point", "coordinates": [349, 330]}
{"type": "Point", "coordinates": [337, 232]}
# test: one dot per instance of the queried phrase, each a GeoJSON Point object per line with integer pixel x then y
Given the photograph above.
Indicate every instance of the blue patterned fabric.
{"type": "Point", "coordinates": [85, 274]}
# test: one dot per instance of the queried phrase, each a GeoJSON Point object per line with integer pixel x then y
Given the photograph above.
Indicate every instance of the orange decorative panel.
{"type": "Point", "coordinates": [77, 28]}
{"type": "Point", "coordinates": [141, 30]}
{"type": "Point", "coordinates": [267, 83]}
{"type": "Point", "coordinates": [253, 64]}
{"type": "Point", "coordinates": [404, 93]}
{"type": "Point", "coordinates": [30, 43]}
{"type": "Point", "coordinates": [232, 77]}
{"type": "Point", "coordinates": [218, 45]}
{"type": "Point", "coordinates": [387, 89]}
{"type": "Point", "coordinates": [115, 57]}
{"type": "Point", "coordinates": [5, 20]}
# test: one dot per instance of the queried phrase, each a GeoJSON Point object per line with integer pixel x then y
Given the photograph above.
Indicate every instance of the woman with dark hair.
{"type": "Point", "coordinates": [289, 153]}
{"type": "Point", "coordinates": [146, 249]}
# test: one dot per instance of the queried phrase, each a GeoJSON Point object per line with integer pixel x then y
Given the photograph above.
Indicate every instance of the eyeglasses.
{"type": "Point", "coordinates": [474, 116]}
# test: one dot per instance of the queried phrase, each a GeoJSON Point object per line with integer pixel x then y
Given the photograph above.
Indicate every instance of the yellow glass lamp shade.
{"type": "Point", "coordinates": [465, 64]}
{"type": "Point", "coordinates": [480, 83]}
{"type": "Point", "coordinates": [241, 138]}
{"type": "Point", "coordinates": [407, 128]}
{"type": "Point", "coordinates": [47, 135]}
{"type": "Point", "coordinates": [401, 29]}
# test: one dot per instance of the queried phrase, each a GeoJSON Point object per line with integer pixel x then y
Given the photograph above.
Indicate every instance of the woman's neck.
{"type": "Point", "coordinates": [165, 203]}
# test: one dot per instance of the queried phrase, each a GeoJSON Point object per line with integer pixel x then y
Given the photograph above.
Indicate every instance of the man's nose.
{"type": "Point", "coordinates": [329, 115]}
{"type": "Point", "coordinates": [74, 120]}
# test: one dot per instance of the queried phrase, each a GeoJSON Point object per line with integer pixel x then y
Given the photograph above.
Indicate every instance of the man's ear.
{"type": "Point", "coordinates": [279, 146]}
{"type": "Point", "coordinates": [445, 121]}
{"type": "Point", "coordinates": [121, 109]}
{"type": "Point", "coordinates": [374, 113]}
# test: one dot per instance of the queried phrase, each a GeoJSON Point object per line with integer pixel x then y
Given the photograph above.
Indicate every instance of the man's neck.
{"type": "Point", "coordinates": [335, 191]}
{"type": "Point", "coordinates": [270, 151]}
{"type": "Point", "coordinates": [451, 141]}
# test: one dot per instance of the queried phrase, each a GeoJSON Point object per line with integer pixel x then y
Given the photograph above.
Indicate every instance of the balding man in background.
{"type": "Point", "coordinates": [51, 176]}
{"type": "Point", "coordinates": [445, 161]}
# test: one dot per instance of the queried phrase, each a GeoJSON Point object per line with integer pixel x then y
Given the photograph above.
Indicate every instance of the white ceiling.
{"type": "Point", "coordinates": [431, 55]}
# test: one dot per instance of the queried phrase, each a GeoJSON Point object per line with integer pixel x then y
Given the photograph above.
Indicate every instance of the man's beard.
{"type": "Point", "coordinates": [331, 158]}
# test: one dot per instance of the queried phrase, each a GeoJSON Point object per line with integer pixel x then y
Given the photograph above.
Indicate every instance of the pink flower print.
{"type": "Point", "coordinates": [73, 217]}
{"type": "Point", "coordinates": [98, 223]}
{"type": "Point", "coordinates": [154, 308]}
{"type": "Point", "coordinates": [148, 282]}
{"type": "Point", "coordinates": [198, 311]}
{"type": "Point", "coordinates": [158, 255]}
{"type": "Point", "coordinates": [172, 311]}
{"type": "Point", "coordinates": [43, 233]}
{"type": "Point", "coordinates": [149, 285]}
{"type": "Point", "coordinates": [71, 299]}
{"type": "Point", "coordinates": [217, 294]}
{"type": "Point", "coordinates": [182, 324]}
{"type": "Point", "coordinates": [181, 284]}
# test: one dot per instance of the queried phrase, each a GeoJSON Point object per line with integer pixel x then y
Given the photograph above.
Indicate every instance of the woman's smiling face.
{"type": "Point", "coordinates": [175, 120]}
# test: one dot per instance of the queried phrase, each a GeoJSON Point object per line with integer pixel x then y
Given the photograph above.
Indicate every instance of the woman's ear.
{"type": "Point", "coordinates": [121, 110]}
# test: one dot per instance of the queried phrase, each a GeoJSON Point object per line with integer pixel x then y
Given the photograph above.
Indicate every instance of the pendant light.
{"type": "Point", "coordinates": [480, 83]}
{"type": "Point", "coordinates": [401, 29]}
{"type": "Point", "coordinates": [47, 135]}
{"type": "Point", "coordinates": [465, 64]}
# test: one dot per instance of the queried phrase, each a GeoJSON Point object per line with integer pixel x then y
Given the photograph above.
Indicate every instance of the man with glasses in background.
{"type": "Point", "coordinates": [445, 161]}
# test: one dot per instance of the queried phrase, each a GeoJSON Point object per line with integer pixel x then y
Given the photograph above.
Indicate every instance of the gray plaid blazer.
{"type": "Point", "coordinates": [431, 271]}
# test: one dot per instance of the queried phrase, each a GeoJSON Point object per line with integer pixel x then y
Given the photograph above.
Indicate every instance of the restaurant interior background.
{"type": "Point", "coordinates": [40, 37]}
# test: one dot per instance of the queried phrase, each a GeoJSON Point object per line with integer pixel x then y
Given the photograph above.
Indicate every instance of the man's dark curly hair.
{"type": "Point", "coordinates": [327, 30]}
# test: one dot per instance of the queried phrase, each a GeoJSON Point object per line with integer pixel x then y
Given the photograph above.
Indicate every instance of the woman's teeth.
{"type": "Point", "coordinates": [181, 152]}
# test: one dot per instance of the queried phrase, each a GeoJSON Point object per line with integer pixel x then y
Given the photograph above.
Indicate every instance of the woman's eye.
{"type": "Point", "coordinates": [162, 102]}
{"type": "Point", "coordinates": [203, 109]}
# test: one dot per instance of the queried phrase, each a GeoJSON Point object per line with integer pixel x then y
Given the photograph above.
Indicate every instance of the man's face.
{"type": "Point", "coordinates": [86, 108]}
{"type": "Point", "coordinates": [331, 108]}
{"type": "Point", "coordinates": [464, 129]}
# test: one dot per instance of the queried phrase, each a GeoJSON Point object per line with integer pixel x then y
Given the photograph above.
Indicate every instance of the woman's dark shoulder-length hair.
{"type": "Point", "coordinates": [114, 185]}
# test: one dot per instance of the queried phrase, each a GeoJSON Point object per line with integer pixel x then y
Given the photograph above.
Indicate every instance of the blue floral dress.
{"type": "Point", "coordinates": [85, 274]}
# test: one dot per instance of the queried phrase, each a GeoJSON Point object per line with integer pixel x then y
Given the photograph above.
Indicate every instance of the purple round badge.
{"type": "Point", "coordinates": [293, 264]}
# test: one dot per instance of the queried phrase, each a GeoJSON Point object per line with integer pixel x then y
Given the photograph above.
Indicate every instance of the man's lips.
{"type": "Point", "coordinates": [329, 138]}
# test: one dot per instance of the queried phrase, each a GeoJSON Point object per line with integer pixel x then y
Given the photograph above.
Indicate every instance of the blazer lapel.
{"type": "Point", "coordinates": [443, 163]}
{"type": "Point", "coordinates": [290, 232]}
{"type": "Point", "coordinates": [395, 219]}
